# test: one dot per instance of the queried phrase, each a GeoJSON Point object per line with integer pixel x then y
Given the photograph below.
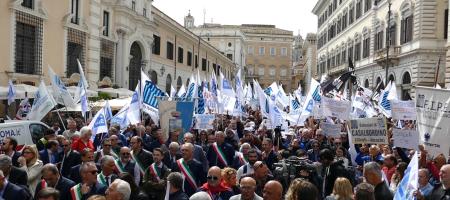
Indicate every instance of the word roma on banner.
{"type": "Point", "coordinates": [369, 131]}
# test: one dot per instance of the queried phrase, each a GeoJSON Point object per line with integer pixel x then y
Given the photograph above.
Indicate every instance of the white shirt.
{"type": "Point", "coordinates": [240, 171]}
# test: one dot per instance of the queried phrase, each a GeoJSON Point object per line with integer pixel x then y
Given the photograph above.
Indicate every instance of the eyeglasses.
{"type": "Point", "coordinates": [125, 154]}
{"type": "Point", "coordinates": [214, 178]}
{"type": "Point", "coordinates": [93, 172]}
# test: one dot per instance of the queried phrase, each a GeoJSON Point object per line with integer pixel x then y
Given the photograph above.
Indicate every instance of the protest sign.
{"type": "Point", "coordinates": [331, 130]}
{"type": "Point", "coordinates": [433, 117]}
{"type": "Point", "coordinates": [403, 110]}
{"type": "Point", "coordinates": [369, 131]}
{"type": "Point", "coordinates": [334, 108]}
{"type": "Point", "coordinates": [204, 121]}
{"type": "Point", "coordinates": [406, 138]}
{"type": "Point", "coordinates": [172, 113]}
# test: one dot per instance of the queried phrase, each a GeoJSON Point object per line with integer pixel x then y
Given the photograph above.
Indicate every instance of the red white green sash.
{"type": "Point", "coordinates": [154, 171]}
{"type": "Point", "coordinates": [75, 191]}
{"type": "Point", "coordinates": [220, 154]}
{"type": "Point", "coordinates": [138, 163]}
{"type": "Point", "coordinates": [112, 153]}
{"type": "Point", "coordinates": [241, 157]}
{"type": "Point", "coordinates": [43, 184]}
{"type": "Point", "coordinates": [187, 174]}
{"type": "Point", "coordinates": [120, 166]}
{"type": "Point", "coordinates": [101, 179]}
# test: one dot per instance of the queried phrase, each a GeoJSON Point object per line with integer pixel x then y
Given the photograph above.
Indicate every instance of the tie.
{"type": "Point", "coordinates": [107, 180]}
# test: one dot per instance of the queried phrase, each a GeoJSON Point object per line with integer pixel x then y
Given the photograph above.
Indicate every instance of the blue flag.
{"type": "Point", "coordinates": [410, 181]}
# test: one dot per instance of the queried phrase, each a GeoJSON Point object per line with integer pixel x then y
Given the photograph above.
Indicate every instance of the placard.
{"type": "Point", "coordinates": [404, 110]}
{"type": "Point", "coordinates": [204, 121]}
{"type": "Point", "coordinates": [369, 131]}
{"type": "Point", "coordinates": [331, 130]}
{"type": "Point", "coordinates": [334, 108]}
{"type": "Point", "coordinates": [406, 138]}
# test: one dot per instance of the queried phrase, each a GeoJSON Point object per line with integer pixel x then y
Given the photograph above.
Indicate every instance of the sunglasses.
{"type": "Point", "coordinates": [106, 145]}
{"type": "Point", "coordinates": [214, 178]}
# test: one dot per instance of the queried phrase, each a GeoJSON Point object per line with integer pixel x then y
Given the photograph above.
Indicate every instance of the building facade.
{"type": "Point", "coordinates": [304, 57]}
{"type": "Point", "coordinates": [111, 39]}
{"type": "Point", "coordinates": [413, 35]}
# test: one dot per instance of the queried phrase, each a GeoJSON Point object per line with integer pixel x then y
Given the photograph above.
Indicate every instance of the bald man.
{"type": "Point", "coordinates": [213, 186]}
{"type": "Point", "coordinates": [248, 188]}
{"type": "Point", "coordinates": [441, 191]}
{"type": "Point", "coordinates": [186, 165]}
{"type": "Point", "coordinates": [272, 191]}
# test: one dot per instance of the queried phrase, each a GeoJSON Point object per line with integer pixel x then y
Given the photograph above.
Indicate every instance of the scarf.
{"type": "Point", "coordinates": [217, 189]}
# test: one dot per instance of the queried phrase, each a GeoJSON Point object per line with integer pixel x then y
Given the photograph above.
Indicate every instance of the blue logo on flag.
{"type": "Point", "coordinates": [384, 101]}
{"type": "Point", "coordinates": [150, 94]}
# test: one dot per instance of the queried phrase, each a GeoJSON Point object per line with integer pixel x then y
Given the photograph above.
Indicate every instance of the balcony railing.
{"type": "Point", "coordinates": [381, 54]}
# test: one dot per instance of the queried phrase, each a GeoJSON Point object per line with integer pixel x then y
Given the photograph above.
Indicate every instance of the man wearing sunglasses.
{"type": "Point", "coordinates": [68, 158]}
{"type": "Point", "coordinates": [89, 185]}
{"type": "Point", "coordinates": [106, 150]}
{"type": "Point", "coordinates": [125, 164]}
{"type": "Point", "coordinates": [214, 185]}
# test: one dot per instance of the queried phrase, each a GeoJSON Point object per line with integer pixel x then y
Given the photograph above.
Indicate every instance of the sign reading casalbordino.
{"type": "Point", "coordinates": [433, 119]}
{"type": "Point", "coordinates": [369, 131]}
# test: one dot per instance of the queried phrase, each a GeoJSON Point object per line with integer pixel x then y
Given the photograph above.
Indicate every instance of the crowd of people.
{"type": "Point", "coordinates": [242, 158]}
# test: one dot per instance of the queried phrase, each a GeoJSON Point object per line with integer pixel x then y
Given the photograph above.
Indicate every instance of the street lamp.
{"type": "Point", "coordinates": [388, 42]}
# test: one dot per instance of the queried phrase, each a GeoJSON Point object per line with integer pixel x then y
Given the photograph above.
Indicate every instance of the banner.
{"type": "Point", "coordinates": [333, 108]}
{"type": "Point", "coordinates": [42, 104]}
{"type": "Point", "coordinates": [403, 110]}
{"type": "Point", "coordinates": [172, 113]}
{"type": "Point", "coordinates": [433, 119]}
{"type": "Point", "coordinates": [406, 138]}
{"type": "Point", "coordinates": [204, 121]}
{"type": "Point", "coordinates": [331, 130]}
{"type": "Point", "coordinates": [369, 131]}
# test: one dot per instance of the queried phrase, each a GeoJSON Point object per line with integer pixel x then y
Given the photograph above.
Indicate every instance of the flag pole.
{"type": "Point", "coordinates": [436, 76]}
{"type": "Point", "coordinates": [62, 122]}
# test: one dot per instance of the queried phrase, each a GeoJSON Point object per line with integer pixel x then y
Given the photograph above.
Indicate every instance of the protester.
{"type": "Point", "coordinates": [48, 194]}
{"type": "Point", "coordinates": [107, 174]}
{"type": "Point", "coordinates": [175, 180]}
{"type": "Point", "coordinates": [84, 141]}
{"type": "Point", "coordinates": [425, 187]}
{"type": "Point", "coordinates": [71, 129]}
{"type": "Point", "coordinates": [30, 163]}
{"type": "Point", "coordinates": [248, 187]}
{"type": "Point", "coordinates": [68, 158]}
{"type": "Point", "coordinates": [156, 176]}
{"type": "Point", "coordinates": [11, 190]}
{"type": "Point", "coordinates": [441, 191]}
{"type": "Point", "coordinates": [14, 174]}
{"type": "Point", "coordinates": [187, 165]}
{"type": "Point", "coordinates": [373, 176]}
{"type": "Point", "coordinates": [52, 179]}
{"type": "Point", "coordinates": [105, 150]}
{"type": "Point", "coordinates": [136, 192]}
{"type": "Point", "coordinates": [273, 191]}
{"type": "Point", "coordinates": [89, 185]}
{"type": "Point", "coordinates": [247, 169]}
{"type": "Point", "coordinates": [342, 190]}
{"type": "Point", "coordinates": [9, 146]}
{"type": "Point", "coordinates": [50, 154]}
{"type": "Point", "coordinates": [364, 191]}
{"type": "Point", "coordinates": [87, 155]}
{"type": "Point", "coordinates": [302, 190]}
{"type": "Point", "coordinates": [230, 179]}
{"type": "Point", "coordinates": [118, 190]}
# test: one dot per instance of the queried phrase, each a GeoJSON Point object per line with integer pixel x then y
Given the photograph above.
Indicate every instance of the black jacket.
{"type": "Point", "coordinates": [63, 186]}
{"type": "Point", "coordinates": [168, 161]}
{"type": "Point", "coordinates": [179, 195]}
{"type": "Point", "coordinates": [336, 170]}
{"type": "Point", "coordinates": [14, 158]}
{"type": "Point", "coordinates": [74, 158]}
{"type": "Point", "coordinates": [213, 159]}
{"type": "Point", "coordinates": [75, 173]}
{"type": "Point", "coordinates": [144, 157]}
{"type": "Point", "coordinates": [153, 188]}
{"type": "Point", "coordinates": [382, 192]}
{"type": "Point", "coordinates": [12, 191]}
{"type": "Point", "coordinates": [97, 189]}
{"type": "Point", "coordinates": [199, 175]}
{"type": "Point", "coordinates": [439, 193]}
{"type": "Point", "coordinates": [18, 177]}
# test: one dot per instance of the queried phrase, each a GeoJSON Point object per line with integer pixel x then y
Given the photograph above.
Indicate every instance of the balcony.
{"type": "Point", "coordinates": [394, 53]}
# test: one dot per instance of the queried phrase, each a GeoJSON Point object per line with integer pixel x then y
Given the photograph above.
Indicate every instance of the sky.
{"type": "Point", "coordinates": [293, 15]}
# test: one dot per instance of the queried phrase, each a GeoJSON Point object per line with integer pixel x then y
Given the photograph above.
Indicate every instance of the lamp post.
{"type": "Point", "coordinates": [388, 42]}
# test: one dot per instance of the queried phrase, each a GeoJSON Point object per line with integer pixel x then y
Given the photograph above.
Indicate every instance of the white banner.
{"type": "Point", "coordinates": [204, 121]}
{"type": "Point", "coordinates": [333, 108]}
{"type": "Point", "coordinates": [403, 110]}
{"type": "Point", "coordinates": [331, 130]}
{"type": "Point", "coordinates": [369, 131]}
{"type": "Point", "coordinates": [433, 119]}
{"type": "Point", "coordinates": [406, 138]}
{"type": "Point", "coordinates": [42, 104]}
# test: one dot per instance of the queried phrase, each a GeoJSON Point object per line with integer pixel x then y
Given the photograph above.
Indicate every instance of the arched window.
{"type": "Point", "coordinates": [261, 70]}
{"type": "Point", "coordinates": [168, 83]}
{"type": "Point", "coordinates": [406, 86]}
{"type": "Point", "coordinates": [391, 77]}
{"type": "Point", "coordinates": [179, 83]}
{"type": "Point", "coordinates": [366, 83]}
{"type": "Point", "coordinates": [154, 77]}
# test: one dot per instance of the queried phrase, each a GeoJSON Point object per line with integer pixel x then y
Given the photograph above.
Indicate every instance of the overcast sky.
{"type": "Point", "coordinates": [293, 15]}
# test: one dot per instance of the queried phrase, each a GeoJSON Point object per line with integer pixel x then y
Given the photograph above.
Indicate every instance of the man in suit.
{"type": "Point", "coordinates": [10, 190]}
{"type": "Point", "coordinates": [171, 156]}
{"type": "Point", "coordinates": [87, 155]}
{"type": "Point", "coordinates": [141, 157]}
{"type": "Point", "coordinates": [220, 153]}
{"type": "Point", "coordinates": [268, 155]}
{"type": "Point", "coordinates": [107, 176]}
{"type": "Point", "coordinates": [13, 174]}
{"type": "Point", "coordinates": [106, 150]}
{"type": "Point", "coordinates": [50, 154]}
{"type": "Point", "coordinates": [68, 158]}
{"type": "Point", "coordinates": [156, 176]}
{"type": "Point", "coordinates": [51, 178]}
{"type": "Point", "coordinates": [125, 164]}
{"type": "Point", "coordinates": [199, 154]}
{"type": "Point", "coordinates": [188, 163]}
{"type": "Point", "coordinates": [89, 185]}
{"type": "Point", "coordinates": [9, 147]}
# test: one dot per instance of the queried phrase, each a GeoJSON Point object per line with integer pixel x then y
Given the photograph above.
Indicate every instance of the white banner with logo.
{"type": "Point", "coordinates": [369, 131]}
{"type": "Point", "coordinates": [333, 108]}
{"type": "Point", "coordinates": [406, 138]}
{"type": "Point", "coordinates": [403, 110]}
{"type": "Point", "coordinates": [331, 130]}
{"type": "Point", "coordinates": [433, 119]}
{"type": "Point", "coordinates": [204, 121]}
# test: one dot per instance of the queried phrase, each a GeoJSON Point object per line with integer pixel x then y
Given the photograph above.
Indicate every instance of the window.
{"type": "Point", "coordinates": [250, 50]}
{"type": "Point", "coordinates": [106, 23]}
{"type": "Point", "coordinates": [75, 11]}
{"type": "Point", "coordinates": [272, 51]}
{"type": "Point", "coordinates": [272, 71]}
{"type": "Point", "coordinates": [156, 45]}
{"type": "Point", "coordinates": [180, 55]}
{"type": "Point", "coordinates": [37, 131]}
{"type": "Point", "coordinates": [229, 44]}
{"type": "Point", "coordinates": [261, 70]}
{"type": "Point", "coordinates": [28, 44]}
{"type": "Point", "coordinates": [133, 5]}
{"type": "Point", "coordinates": [351, 15]}
{"type": "Point", "coordinates": [169, 51]}
{"type": "Point", "coordinates": [446, 24]}
{"type": "Point", "coordinates": [203, 64]}
{"type": "Point", "coordinates": [344, 21]}
{"type": "Point", "coordinates": [189, 58]}
{"type": "Point", "coordinates": [144, 12]}
{"type": "Point", "coordinates": [344, 56]}
{"type": "Point", "coordinates": [392, 32]}
{"type": "Point", "coordinates": [196, 61]}
{"type": "Point", "coordinates": [261, 50]}
{"type": "Point", "coordinates": [106, 58]}
{"type": "Point", "coordinates": [358, 51]}
{"type": "Point", "coordinates": [378, 40]}
{"type": "Point", "coordinates": [338, 59]}
{"type": "Point", "coordinates": [367, 5]}
{"type": "Point", "coordinates": [28, 4]}
{"type": "Point", "coordinates": [366, 47]}
{"type": "Point", "coordinates": [350, 52]}
{"type": "Point", "coordinates": [358, 10]}
{"type": "Point", "coordinates": [284, 51]}
{"type": "Point", "coordinates": [283, 72]}
{"type": "Point", "coordinates": [230, 56]}
{"type": "Point", "coordinates": [76, 48]}
{"type": "Point", "coordinates": [406, 32]}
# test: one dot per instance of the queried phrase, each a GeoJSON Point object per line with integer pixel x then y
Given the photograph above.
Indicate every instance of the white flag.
{"type": "Point", "coordinates": [60, 92]}
{"type": "Point", "coordinates": [43, 103]}
{"type": "Point", "coordinates": [181, 91]}
{"type": "Point", "coordinates": [173, 92]}
{"type": "Point", "coordinates": [134, 111]}
{"type": "Point", "coordinates": [225, 86]}
{"type": "Point", "coordinates": [11, 92]}
{"type": "Point", "coordinates": [98, 123]}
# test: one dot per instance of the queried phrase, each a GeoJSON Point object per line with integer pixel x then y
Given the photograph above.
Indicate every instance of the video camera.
{"type": "Point", "coordinates": [290, 169]}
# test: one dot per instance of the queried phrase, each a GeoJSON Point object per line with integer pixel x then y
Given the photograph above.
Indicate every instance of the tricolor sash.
{"type": "Point", "coordinates": [242, 158]}
{"type": "Point", "coordinates": [154, 171]}
{"type": "Point", "coordinates": [120, 166]}
{"type": "Point", "coordinates": [43, 184]}
{"type": "Point", "coordinates": [113, 154]}
{"type": "Point", "coordinates": [187, 174]}
{"type": "Point", "coordinates": [101, 179]}
{"type": "Point", "coordinates": [75, 191]}
{"type": "Point", "coordinates": [138, 163]}
{"type": "Point", "coordinates": [220, 154]}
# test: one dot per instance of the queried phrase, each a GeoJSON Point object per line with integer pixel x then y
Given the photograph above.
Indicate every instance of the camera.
{"type": "Point", "coordinates": [290, 169]}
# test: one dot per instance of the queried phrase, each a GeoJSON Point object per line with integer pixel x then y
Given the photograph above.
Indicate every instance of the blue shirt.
{"type": "Point", "coordinates": [3, 189]}
{"type": "Point", "coordinates": [426, 190]}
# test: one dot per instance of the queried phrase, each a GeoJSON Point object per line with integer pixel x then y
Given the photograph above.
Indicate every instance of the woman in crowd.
{"type": "Point", "coordinates": [30, 162]}
{"type": "Point", "coordinates": [136, 192]}
{"type": "Point", "coordinates": [398, 176]}
{"type": "Point", "coordinates": [301, 189]}
{"type": "Point", "coordinates": [230, 180]}
{"type": "Point", "coordinates": [342, 190]}
{"type": "Point", "coordinates": [341, 155]}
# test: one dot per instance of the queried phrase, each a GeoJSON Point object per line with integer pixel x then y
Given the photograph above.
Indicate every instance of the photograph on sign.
{"type": "Point", "coordinates": [369, 131]}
